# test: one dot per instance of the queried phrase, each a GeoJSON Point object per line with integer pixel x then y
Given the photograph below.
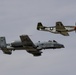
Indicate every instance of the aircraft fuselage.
{"type": "Point", "coordinates": [39, 45]}
{"type": "Point", "coordinates": [53, 29]}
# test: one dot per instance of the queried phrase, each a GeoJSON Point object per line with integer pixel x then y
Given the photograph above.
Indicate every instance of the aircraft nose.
{"type": "Point", "coordinates": [75, 28]}
{"type": "Point", "coordinates": [62, 46]}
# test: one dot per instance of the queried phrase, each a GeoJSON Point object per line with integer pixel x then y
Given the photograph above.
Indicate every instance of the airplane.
{"type": "Point", "coordinates": [58, 29]}
{"type": "Point", "coordinates": [25, 43]}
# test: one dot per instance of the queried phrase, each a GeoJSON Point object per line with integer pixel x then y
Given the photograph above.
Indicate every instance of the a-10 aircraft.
{"type": "Point", "coordinates": [58, 29]}
{"type": "Point", "coordinates": [25, 43]}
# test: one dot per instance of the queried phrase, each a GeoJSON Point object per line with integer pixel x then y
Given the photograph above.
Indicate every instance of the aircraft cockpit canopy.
{"type": "Point", "coordinates": [49, 41]}
{"type": "Point", "coordinates": [54, 41]}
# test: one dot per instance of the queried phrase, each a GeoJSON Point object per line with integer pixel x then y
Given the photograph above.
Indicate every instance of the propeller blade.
{"type": "Point", "coordinates": [75, 23]}
{"type": "Point", "coordinates": [75, 27]}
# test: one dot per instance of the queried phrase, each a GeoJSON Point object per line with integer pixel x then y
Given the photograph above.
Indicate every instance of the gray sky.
{"type": "Point", "coordinates": [19, 17]}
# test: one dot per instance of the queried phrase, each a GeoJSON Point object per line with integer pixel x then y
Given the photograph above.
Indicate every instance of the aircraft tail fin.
{"type": "Point", "coordinates": [3, 46]}
{"type": "Point", "coordinates": [39, 26]}
{"type": "Point", "coordinates": [3, 42]}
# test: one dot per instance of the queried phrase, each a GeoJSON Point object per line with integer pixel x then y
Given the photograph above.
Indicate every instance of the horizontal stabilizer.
{"type": "Point", "coordinates": [6, 51]}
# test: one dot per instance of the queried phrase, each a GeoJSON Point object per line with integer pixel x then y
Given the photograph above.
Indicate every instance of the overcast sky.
{"type": "Point", "coordinates": [19, 17]}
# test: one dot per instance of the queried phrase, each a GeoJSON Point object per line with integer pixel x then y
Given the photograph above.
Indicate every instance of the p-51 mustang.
{"type": "Point", "coordinates": [26, 44]}
{"type": "Point", "coordinates": [58, 29]}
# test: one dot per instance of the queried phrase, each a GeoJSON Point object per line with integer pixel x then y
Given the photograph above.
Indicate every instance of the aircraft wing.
{"type": "Point", "coordinates": [29, 45]}
{"type": "Point", "coordinates": [26, 41]}
{"type": "Point", "coordinates": [60, 28]}
{"type": "Point", "coordinates": [64, 33]}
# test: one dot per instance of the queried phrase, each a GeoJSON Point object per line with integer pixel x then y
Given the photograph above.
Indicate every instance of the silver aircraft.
{"type": "Point", "coordinates": [25, 43]}
{"type": "Point", "coordinates": [58, 29]}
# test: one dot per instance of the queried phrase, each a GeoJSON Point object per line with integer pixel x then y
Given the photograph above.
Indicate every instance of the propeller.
{"type": "Point", "coordinates": [75, 23]}
{"type": "Point", "coordinates": [75, 27]}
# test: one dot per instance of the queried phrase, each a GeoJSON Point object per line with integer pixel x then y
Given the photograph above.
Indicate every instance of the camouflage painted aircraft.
{"type": "Point", "coordinates": [25, 43]}
{"type": "Point", "coordinates": [58, 29]}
